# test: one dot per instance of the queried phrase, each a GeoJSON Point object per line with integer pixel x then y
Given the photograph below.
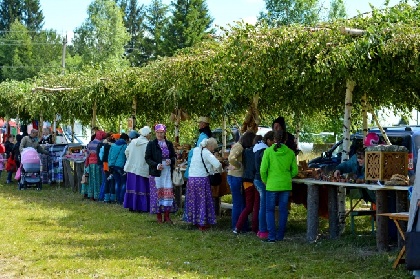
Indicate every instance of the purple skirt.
{"type": "Point", "coordinates": [156, 202]}
{"type": "Point", "coordinates": [137, 194]}
{"type": "Point", "coordinates": [199, 202]}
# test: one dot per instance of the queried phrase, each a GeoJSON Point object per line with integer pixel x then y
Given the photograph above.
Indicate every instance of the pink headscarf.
{"type": "Point", "coordinates": [160, 127]}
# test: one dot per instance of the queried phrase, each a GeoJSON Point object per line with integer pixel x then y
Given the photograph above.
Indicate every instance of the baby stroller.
{"type": "Point", "coordinates": [30, 169]}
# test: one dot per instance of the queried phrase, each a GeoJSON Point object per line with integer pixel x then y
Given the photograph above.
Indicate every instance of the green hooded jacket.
{"type": "Point", "coordinates": [278, 167]}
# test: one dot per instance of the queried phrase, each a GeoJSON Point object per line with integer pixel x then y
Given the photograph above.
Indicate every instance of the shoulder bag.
{"type": "Point", "coordinates": [412, 245]}
{"type": "Point", "coordinates": [177, 178]}
{"type": "Point", "coordinates": [216, 178]}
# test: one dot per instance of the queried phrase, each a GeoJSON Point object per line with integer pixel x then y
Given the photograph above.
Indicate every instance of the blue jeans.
{"type": "Point", "coordinates": [120, 184]}
{"type": "Point", "coordinates": [283, 197]}
{"type": "Point", "coordinates": [238, 203]}
{"type": "Point", "coordinates": [9, 176]}
{"type": "Point", "coordinates": [262, 223]}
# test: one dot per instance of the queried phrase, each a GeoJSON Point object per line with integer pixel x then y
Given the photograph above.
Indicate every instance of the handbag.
{"type": "Point", "coordinates": [412, 246]}
{"type": "Point", "coordinates": [216, 178]}
{"type": "Point", "coordinates": [177, 178]}
{"type": "Point", "coordinates": [11, 164]}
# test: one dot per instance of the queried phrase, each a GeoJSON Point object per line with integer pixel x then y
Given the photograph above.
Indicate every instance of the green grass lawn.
{"type": "Point", "coordinates": [54, 233]}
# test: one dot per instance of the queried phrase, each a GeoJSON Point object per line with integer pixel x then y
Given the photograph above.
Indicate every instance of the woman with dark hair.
{"type": "Point", "coordinates": [235, 173]}
{"type": "Point", "coordinates": [278, 167]}
{"type": "Point", "coordinates": [288, 139]}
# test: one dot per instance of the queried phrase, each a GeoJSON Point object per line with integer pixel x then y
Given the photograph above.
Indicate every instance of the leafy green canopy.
{"type": "Point", "coordinates": [295, 71]}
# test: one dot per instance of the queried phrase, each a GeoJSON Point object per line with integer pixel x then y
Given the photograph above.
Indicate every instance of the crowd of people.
{"type": "Point", "coordinates": [135, 171]}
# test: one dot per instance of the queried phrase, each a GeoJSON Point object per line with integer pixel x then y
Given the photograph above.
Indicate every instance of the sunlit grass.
{"type": "Point", "coordinates": [54, 233]}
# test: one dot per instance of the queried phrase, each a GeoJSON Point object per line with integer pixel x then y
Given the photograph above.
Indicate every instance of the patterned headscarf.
{"type": "Point", "coordinates": [160, 127]}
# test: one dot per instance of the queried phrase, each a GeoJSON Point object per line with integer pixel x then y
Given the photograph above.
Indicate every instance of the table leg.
{"type": "Point", "coordinates": [381, 221]}
{"type": "Point", "coordinates": [402, 206]}
{"type": "Point", "coordinates": [333, 212]}
{"type": "Point", "coordinates": [399, 259]}
{"type": "Point", "coordinates": [312, 221]}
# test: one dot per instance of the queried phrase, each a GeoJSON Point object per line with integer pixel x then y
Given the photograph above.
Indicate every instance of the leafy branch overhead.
{"type": "Point", "coordinates": [294, 69]}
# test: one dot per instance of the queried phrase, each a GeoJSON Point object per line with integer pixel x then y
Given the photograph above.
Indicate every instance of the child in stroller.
{"type": "Point", "coordinates": [30, 169]}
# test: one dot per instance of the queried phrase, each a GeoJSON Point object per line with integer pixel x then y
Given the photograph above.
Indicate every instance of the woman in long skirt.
{"type": "Point", "coordinates": [137, 195]}
{"type": "Point", "coordinates": [161, 157]}
{"type": "Point", "coordinates": [199, 201]}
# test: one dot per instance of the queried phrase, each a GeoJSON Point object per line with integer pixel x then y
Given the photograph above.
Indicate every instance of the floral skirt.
{"type": "Point", "coordinates": [162, 192]}
{"type": "Point", "coordinates": [199, 202]}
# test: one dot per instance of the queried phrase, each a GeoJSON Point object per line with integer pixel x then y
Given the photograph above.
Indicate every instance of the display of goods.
{"type": "Point", "coordinates": [382, 165]}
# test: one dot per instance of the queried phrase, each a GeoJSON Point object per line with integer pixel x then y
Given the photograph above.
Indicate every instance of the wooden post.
{"type": "Point", "coordinates": [93, 122]}
{"type": "Point", "coordinates": [298, 129]}
{"type": "Point", "coordinates": [177, 121]}
{"type": "Point", "coordinates": [40, 125]}
{"type": "Point", "coordinates": [333, 212]}
{"type": "Point", "coordinates": [380, 127]}
{"type": "Point", "coordinates": [134, 112]}
{"type": "Point", "coordinates": [364, 112]}
{"type": "Point", "coordinates": [346, 147]}
{"type": "Point", "coordinates": [72, 130]}
{"type": "Point", "coordinates": [381, 221]}
{"type": "Point", "coordinates": [312, 220]}
{"type": "Point", "coordinates": [224, 135]}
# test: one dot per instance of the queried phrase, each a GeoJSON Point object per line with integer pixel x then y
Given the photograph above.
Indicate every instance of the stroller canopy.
{"type": "Point", "coordinates": [30, 156]}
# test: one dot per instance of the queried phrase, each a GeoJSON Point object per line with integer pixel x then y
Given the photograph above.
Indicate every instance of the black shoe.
{"type": "Point", "coordinates": [268, 240]}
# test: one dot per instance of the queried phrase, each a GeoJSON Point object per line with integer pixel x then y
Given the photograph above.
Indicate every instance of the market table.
{"type": "Point", "coordinates": [381, 207]}
{"type": "Point", "coordinates": [399, 216]}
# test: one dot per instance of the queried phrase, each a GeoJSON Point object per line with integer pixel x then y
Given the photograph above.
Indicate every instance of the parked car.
{"type": "Point", "coordinates": [232, 136]}
{"type": "Point", "coordinates": [408, 136]}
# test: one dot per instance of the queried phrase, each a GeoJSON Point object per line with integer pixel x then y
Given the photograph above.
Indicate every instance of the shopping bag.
{"type": "Point", "coordinates": [17, 175]}
{"type": "Point", "coordinates": [177, 178]}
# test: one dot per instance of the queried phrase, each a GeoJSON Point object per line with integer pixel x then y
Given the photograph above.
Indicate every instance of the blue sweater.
{"type": "Point", "coordinates": [116, 157]}
{"type": "Point", "coordinates": [352, 166]}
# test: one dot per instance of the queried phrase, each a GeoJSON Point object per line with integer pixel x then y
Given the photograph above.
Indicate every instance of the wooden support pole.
{"type": "Point", "coordinates": [93, 122]}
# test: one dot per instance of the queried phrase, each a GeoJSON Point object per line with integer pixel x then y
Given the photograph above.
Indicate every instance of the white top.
{"type": "Point", "coordinates": [135, 153]}
{"type": "Point", "coordinates": [197, 168]}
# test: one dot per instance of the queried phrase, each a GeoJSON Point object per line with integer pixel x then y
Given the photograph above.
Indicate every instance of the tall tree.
{"type": "Point", "coordinates": [102, 37]}
{"type": "Point", "coordinates": [288, 12]}
{"type": "Point", "coordinates": [337, 10]}
{"type": "Point", "coordinates": [133, 21]}
{"type": "Point", "coordinates": [189, 24]}
{"type": "Point", "coordinates": [28, 12]}
{"type": "Point", "coordinates": [16, 53]}
{"type": "Point", "coordinates": [24, 54]}
{"type": "Point", "coordinates": [156, 20]}
{"type": "Point", "coordinates": [33, 17]}
{"type": "Point", "coordinates": [10, 10]}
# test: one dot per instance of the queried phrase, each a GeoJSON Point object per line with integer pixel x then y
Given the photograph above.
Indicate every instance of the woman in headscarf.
{"type": "Point", "coordinates": [137, 195]}
{"type": "Point", "coordinates": [161, 158]}
{"type": "Point", "coordinates": [199, 200]}
{"type": "Point", "coordinates": [95, 177]}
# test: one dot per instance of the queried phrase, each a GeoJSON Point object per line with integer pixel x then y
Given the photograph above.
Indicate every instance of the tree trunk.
{"type": "Point", "coordinates": [93, 123]}
{"type": "Point", "coordinates": [224, 136]}
{"type": "Point", "coordinates": [345, 155]}
{"type": "Point", "coordinates": [364, 112]}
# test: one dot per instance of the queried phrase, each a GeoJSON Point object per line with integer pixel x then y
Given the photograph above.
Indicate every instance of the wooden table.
{"type": "Point", "coordinates": [381, 207]}
{"type": "Point", "coordinates": [400, 216]}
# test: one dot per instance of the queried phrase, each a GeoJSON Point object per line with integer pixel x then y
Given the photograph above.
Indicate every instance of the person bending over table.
{"type": "Point", "coordinates": [356, 165]}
